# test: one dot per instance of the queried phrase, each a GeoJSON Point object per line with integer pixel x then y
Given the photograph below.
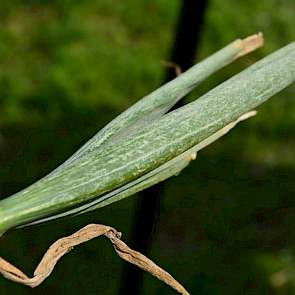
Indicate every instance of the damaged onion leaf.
{"type": "Point", "coordinates": [145, 144]}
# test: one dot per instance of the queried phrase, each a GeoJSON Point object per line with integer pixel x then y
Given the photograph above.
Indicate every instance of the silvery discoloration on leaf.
{"type": "Point", "coordinates": [170, 168]}
{"type": "Point", "coordinates": [140, 152]}
{"type": "Point", "coordinates": [156, 104]}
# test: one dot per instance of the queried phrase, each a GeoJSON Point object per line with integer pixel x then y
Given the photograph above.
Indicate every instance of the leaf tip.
{"type": "Point", "coordinates": [250, 43]}
{"type": "Point", "coordinates": [247, 115]}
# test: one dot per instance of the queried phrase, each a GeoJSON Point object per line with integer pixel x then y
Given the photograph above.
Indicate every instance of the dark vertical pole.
{"type": "Point", "coordinates": [183, 53]}
{"type": "Point", "coordinates": [187, 35]}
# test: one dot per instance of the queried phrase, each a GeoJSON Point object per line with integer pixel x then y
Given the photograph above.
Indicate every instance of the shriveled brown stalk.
{"type": "Point", "coordinates": [66, 244]}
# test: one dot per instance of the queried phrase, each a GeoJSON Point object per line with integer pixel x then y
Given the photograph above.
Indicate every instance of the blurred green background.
{"type": "Point", "coordinates": [226, 223]}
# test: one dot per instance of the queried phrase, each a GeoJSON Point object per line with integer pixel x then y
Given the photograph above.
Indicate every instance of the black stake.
{"type": "Point", "coordinates": [183, 53]}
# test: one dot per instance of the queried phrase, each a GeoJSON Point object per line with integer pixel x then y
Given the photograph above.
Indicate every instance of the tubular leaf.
{"type": "Point", "coordinates": [122, 163]}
